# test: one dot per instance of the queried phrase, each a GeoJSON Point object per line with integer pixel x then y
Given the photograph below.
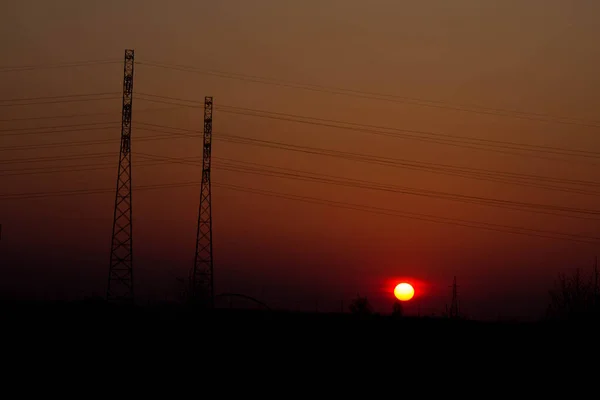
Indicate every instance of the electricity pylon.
{"type": "Point", "coordinates": [202, 275]}
{"type": "Point", "coordinates": [120, 275]}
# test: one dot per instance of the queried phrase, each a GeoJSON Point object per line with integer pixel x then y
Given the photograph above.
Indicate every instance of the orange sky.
{"type": "Point", "coordinates": [539, 57]}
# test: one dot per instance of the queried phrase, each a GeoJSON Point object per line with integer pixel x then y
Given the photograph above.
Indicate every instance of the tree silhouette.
{"type": "Point", "coordinates": [182, 289]}
{"type": "Point", "coordinates": [574, 296]}
{"type": "Point", "coordinates": [397, 309]}
{"type": "Point", "coordinates": [360, 306]}
{"type": "Point", "coordinates": [187, 295]}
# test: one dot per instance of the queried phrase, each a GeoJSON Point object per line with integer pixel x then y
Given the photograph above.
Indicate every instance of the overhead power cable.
{"type": "Point", "coordinates": [498, 146]}
{"type": "Point", "coordinates": [82, 143]}
{"type": "Point", "coordinates": [287, 173]}
{"type": "Point", "coordinates": [342, 205]}
{"type": "Point", "coordinates": [56, 129]}
{"type": "Point", "coordinates": [58, 99]}
{"type": "Point", "coordinates": [144, 126]}
{"type": "Point", "coordinates": [464, 172]}
{"type": "Point", "coordinates": [35, 118]}
{"type": "Point", "coordinates": [64, 96]}
{"type": "Point", "coordinates": [74, 64]}
{"type": "Point", "coordinates": [518, 114]}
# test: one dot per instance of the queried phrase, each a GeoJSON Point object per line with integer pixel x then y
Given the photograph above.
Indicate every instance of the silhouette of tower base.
{"type": "Point", "coordinates": [120, 275]}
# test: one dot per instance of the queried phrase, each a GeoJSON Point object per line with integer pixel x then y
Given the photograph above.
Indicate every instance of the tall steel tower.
{"type": "Point", "coordinates": [120, 274]}
{"type": "Point", "coordinates": [454, 313]}
{"type": "Point", "coordinates": [202, 275]}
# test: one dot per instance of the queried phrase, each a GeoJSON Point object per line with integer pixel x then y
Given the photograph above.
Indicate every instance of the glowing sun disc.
{"type": "Point", "coordinates": [404, 291]}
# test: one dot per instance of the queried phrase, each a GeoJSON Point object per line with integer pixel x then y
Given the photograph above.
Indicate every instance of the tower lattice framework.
{"type": "Point", "coordinates": [120, 275]}
{"type": "Point", "coordinates": [202, 274]}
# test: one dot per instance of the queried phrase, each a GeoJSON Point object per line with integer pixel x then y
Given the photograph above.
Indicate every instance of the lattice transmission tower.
{"type": "Point", "coordinates": [120, 275]}
{"type": "Point", "coordinates": [454, 312]}
{"type": "Point", "coordinates": [202, 274]}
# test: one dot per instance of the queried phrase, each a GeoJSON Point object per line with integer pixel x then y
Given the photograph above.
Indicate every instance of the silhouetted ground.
{"type": "Point", "coordinates": [230, 339]}
{"type": "Point", "coordinates": [102, 315]}
{"type": "Point", "coordinates": [300, 351]}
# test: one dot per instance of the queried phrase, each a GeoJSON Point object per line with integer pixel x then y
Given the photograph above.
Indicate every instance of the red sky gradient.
{"type": "Point", "coordinates": [539, 57]}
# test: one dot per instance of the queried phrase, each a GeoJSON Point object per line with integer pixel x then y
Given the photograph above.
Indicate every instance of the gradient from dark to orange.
{"type": "Point", "coordinates": [537, 56]}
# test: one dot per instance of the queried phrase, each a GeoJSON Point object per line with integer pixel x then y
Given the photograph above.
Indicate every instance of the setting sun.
{"type": "Point", "coordinates": [404, 291]}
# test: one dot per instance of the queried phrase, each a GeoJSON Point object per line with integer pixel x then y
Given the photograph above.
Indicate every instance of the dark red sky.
{"type": "Point", "coordinates": [540, 58]}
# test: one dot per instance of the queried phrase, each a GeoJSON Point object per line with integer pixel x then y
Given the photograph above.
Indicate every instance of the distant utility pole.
{"type": "Point", "coordinates": [454, 312]}
{"type": "Point", "coordinates": [202, 276]}
{"type": "Point", "coordinates": [595, 280]}
{"type": "Point", "coordinates": [120, 275]}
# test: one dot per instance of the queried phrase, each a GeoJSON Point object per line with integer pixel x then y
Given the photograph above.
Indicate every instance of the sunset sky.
{"type": "Point", "coordinates": [501, 89]}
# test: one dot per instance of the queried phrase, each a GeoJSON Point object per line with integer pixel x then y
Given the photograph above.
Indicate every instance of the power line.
{"type": "Point", "coordinates": [55, 129]}
{"type": "Point", "coordinates": [59, 65]}
{"type": "Point", "coordinates": [85, 143]}
{"type": "Point", "coordinates": [298, 118]}
{"type": "Point", "coordinates": [454, 143]}
{"type": "Point", "coordinates": [497, 146]}
{"type": "Point", "coordinates": [309, 119]}
{"type": "Point", "coordinates": [29, 160]}
{"type": "Point", "coordinates": [267, 170]}
{"type": "Point", "coordinates": [434, 193]}
{"type": "Point", "coordinates": [343, 205]}
{"type": "Point", "coordinates": [454, 140]}
{"type": "Point", "coordinates": [343, 155]}
{"type": "Point", "coordinates": [328, 89]}
{"type": "Point", "coordinates": [83, 115]}
{"type": "Point", "coordinates": [74, 168]}
{"type": "Point", "coordinates": [404, 165]}
{"type": "Point", "coordinates": [357, 183]}
{"type": "Point", "coordinates": [62, 144]}
{"type": "Point", "coordinates": [423, 217]}
{"type": "Point", "coordinates": [418, 165]}
{"type": "Point", "coordinates": [398, 163]}
{"type": "Point", "coordinates": [269, 173]}
{"type": "Point", "coordinates": [464, 172]}
{"type": "Point", "coordinates": [470, 143]}
{"type": "Point", "coordinates": [541, 117]}
{"type": "Point", "coordinates": [57, 101]}
{"type": "Point", "coordinates": [65, 96]}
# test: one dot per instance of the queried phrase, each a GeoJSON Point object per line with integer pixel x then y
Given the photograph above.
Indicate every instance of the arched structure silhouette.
{"type": "Point", "coordinates": [243, 296]}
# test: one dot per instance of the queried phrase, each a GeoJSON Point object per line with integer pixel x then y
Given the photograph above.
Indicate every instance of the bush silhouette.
{"type": "Point", "coordinates": [574, 296]}
{"type": "Point", "coordinates": [360, 306]}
